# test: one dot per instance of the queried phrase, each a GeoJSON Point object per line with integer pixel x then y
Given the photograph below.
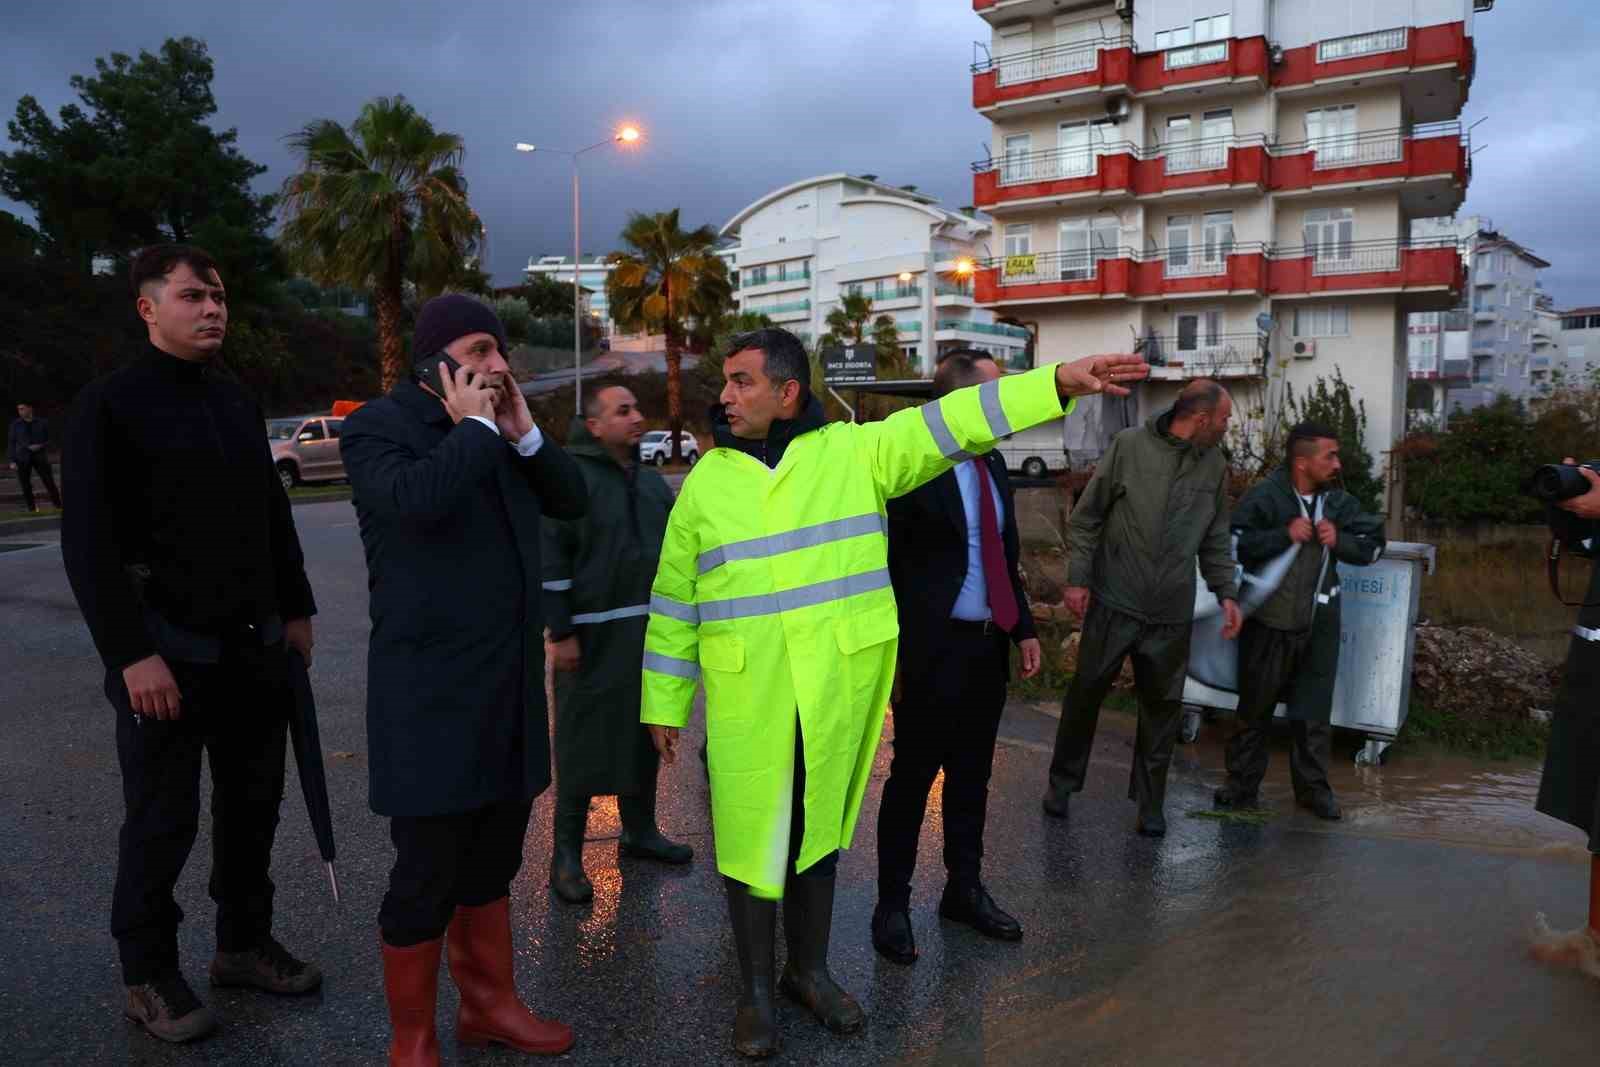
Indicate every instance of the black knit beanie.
{"type": "Point", "coordinates": [445, 318]}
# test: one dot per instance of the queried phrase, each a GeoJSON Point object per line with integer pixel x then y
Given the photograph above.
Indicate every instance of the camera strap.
{"type": "Point", "coordinates": [1552, 563]}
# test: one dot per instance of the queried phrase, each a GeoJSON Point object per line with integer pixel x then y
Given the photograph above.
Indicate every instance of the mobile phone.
{"type": "Point", "coordinates": [426, 370]}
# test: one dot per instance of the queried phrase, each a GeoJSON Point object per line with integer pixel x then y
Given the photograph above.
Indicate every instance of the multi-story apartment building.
{"type": "Point", "coordinates": [1577, 348]}
{"type": "Point", "coordinates": [1190, 171]}
{"type": "Point", "coordinates": [798, 249]}
{"type": "Point", "coordinates": [592, 278]}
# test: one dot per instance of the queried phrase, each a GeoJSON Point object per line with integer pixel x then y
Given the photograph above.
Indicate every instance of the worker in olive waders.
{"type": "Point", "coordinates": [774, 588]}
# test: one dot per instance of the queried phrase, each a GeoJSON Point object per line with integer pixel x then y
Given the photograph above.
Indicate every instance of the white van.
{"type": "Point", "coordinates": [1036, 452]}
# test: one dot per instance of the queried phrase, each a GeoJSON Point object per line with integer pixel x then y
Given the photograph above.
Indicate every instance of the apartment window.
{"type": "Point", "coordinates": [1013, 49]}
{"type": "Point", "coordinates": [1204, 41]}
{"type": "Point", "coordinates": [1427, 347]}
{"type": "Point", "coordinates": [1178, 229]}
{"type": "Point", "coordinates": [757, 276]}
{"type": "Point", "coordinates": [1331, 133]}
{"type": "Point", "coordinates": [1084, 243]}
{"type": "Point", "coordinates": [1197, 330]}
{"type": "Point", "coordinates": [1204, 147]}
{"type": "Point", "coordinates": [1015, 166]}
{"type": "Point", "coordinates": [1361, 44]}
{"type": "Point", "coordinates": [1330, 233]}
{"type": "Point", "coordinates": [1019, 239]}
{"type": "Point", "coordinates": [1329, 320]}
{"type": "Point", "coordinates": [1575, 351]}
{"type": "Point", "coordinates": [1210, 234]}
{"type": "Point", "coordinates": [1079, 145]}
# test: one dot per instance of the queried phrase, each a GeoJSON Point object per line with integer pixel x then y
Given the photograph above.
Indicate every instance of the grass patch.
{"type": "Point", "coordinates": [1503, 588]}
{"type": "Point", "coordinates": [1240, 816]}
{"type": "Point", "coordinates": [1496, 739]}
{"type": "Point", "coordinates": [319, 492]}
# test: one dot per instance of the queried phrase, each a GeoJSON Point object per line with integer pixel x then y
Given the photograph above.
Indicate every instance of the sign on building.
{"type": "Point", "coordinates": [1021, 264]}
{"type": "Point", "coordinates": [854, 365]}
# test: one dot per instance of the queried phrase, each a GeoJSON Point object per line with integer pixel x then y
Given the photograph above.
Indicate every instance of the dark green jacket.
{"type": "Point", "coordinates": [597, 576]}
{"type": "Point", "coordinates": [1261, 521]}
{"type": "Point", "coordinates": [1155, 503]}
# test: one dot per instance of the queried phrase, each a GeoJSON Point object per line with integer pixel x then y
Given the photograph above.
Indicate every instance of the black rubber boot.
{"type": "Point", "coordinates": [755, 1024]}
{"type": "Point", "coordinates": [807, 925]}
{"type": "Point", "coordinates": [566, 858]}
{"type": "Point", "coordinates": [641, 838]}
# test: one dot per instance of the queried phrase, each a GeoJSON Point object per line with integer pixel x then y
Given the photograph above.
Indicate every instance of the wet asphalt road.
{"type": "Point", "coordinates": [1398, 936]}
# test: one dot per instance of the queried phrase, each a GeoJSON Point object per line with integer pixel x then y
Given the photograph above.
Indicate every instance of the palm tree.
{"type": "Point", "coordinates": [847, 323]}
{"type": "Point", "coordinates": [378, 205]}
{"type": "Point", "coordinates": [668, 277]}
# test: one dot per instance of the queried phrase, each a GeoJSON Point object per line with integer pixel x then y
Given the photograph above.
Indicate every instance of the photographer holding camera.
{"type": "Point", "coordinates": [1568, 790]}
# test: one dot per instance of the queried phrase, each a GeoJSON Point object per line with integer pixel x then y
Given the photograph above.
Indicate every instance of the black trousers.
{"type": "Point", "coordinates": [947, 717]}
{"type": "Point", "coordinates": [828, 865]}
{"type": "Point", "coordinates": [25, 469]}
{"type": "Point", "coordinates": [465, 859]}
{"type": "Point", "coordinates": [1160, 655]}
{"type": "Point", "coordinates": [236, 711]}
{"type": "Point", "coordinates": [1275, 657]}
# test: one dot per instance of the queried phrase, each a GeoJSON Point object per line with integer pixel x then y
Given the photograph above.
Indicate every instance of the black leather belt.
{"type": "Point", "coordinates": [987, 627]}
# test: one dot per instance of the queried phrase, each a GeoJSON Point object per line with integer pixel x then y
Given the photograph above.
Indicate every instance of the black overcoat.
{"type": "Point", "coordinates": [1570, 787]}
{"type": "Point", "coordinates": [449, 520]}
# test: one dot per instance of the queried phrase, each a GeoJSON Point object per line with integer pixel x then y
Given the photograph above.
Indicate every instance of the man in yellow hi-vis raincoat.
{"type": "Point", "coordinates": [773, 588]}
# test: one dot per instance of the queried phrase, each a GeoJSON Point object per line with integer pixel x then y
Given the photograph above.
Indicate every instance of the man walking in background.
{"type": "Point", "coordinates": [1157, 501]}
{"type": "Point", "coordinates": [953, 553]}
{"type": "Point", "coordinates": [184, 559]}
{"type": "Point", "coordinates": [597, 575]}
{"type": "Point", "coordinates": [1289, 647]}
{"type": "Point", "coordinates": [25, 447]}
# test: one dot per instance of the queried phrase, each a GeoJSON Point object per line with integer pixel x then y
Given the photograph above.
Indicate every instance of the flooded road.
{"type": "Point", "coordinates": [1399, 936]}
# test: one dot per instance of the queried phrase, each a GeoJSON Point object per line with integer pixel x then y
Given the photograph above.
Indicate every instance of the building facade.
{"type": "Point", "coordinates": [592, 278]}
{"type": "Point", "coordinates": [800, 248]}
{"type": "Point", "coordinates": [1231, 181]}
{"type": "Point", "coordinates": [1576, 352]}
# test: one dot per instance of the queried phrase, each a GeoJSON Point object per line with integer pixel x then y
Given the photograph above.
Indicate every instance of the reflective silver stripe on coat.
{"type": "Point", "coordinates": [805, 596]}
{"type": "Point", "coordinates": [804, 537]}
{"type": "Point", "coordinates": [1586, 633]}
{"type": "Point", "coordinates": [993, 410]}
{"type": "Point", "coordinates": [559, 586]}
{"type": "Point", "coordinates": [589, 618]}
{"type": "Point", "coordinates": [675, 609]}
{"type": "Point", "coordinates": [943, 439]}
{"type": "Point", "coordinates": [678, 668]}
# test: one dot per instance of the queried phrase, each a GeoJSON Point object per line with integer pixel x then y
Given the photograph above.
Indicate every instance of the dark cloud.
{"type": "Point", "coordinates": [739, 97]}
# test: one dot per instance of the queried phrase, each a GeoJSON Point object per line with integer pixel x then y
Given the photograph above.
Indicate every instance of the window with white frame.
{"type": "Point", "coordinates": [1331, 134]}
{"type": "Point", "coordinates": [1015, 165]}
{"type": "Point", "coordinates": [1325, 320]}
{"type": "Point", "coordinates": [1019, 238]}
{"type": "Point", "coordinates": [1199, 244]}
{"type": "Point", "coordinates": [1330, 234]}
{"type": "Point", "coordinates": [1203, 147]}
{"type": "Point", "coordinates": [1199, 330]}
{"type": "Point", "coordinates": [1079, 145]}
{"type": "Point", "coordinates": [1203, 41]}
{"type": "Point", "coordinates": [1084, 243]}
{"type": "Point", "coordinates": [757, 276]}
{"type": "Point", "coordinates": [1015, 59]}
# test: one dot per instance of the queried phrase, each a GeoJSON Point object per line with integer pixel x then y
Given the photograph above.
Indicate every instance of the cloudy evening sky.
{"type": "Point", "coordinates": [740, 97]}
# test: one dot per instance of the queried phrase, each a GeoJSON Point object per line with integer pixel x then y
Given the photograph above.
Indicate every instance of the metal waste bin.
{"type": "Point", "coordinates": [1378, 618]}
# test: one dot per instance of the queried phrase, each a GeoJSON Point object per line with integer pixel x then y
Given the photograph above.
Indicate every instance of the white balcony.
{"type": "Point", "coordinates": [1384, 256]}
{"type": "Point", "coordinates": [1361, 44]}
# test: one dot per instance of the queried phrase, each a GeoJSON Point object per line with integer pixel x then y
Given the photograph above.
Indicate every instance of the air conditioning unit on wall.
{"type": "Point", "coordinates": [1303, 348]}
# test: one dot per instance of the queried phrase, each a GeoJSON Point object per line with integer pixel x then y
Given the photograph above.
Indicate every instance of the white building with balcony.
{"type": "Point", "coordinates": [592, 278]}
{"type": "Point", "coordinates": [1186, 170]}
{"type": "Point", "coordinates": [800, 248]}
{"type": "Point", "coordinates": [1577, 348]}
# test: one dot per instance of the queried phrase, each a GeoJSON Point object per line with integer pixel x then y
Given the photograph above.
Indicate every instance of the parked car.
{"type": "Point", "coordinates": [1036, 452]}
{"type": "Point", "coordinates": [656, 447]}
{"type": "Point", "coordinates": [306, 449]}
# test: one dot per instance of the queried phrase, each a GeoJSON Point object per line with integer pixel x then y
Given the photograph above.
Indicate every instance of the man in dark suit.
{"type": "Point", "coordinates": [450, 476]}
{"type": "Point", "coordinates": [25, 446]}
{"type": "Point", "coordinates": [953, 562]}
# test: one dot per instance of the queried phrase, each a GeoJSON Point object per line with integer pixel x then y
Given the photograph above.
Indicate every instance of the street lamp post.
{"type": "Point", "coordinates": [627, 135]}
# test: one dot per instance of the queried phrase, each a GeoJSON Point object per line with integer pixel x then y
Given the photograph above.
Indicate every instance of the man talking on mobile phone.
{"type": "Point", "coordinates": [450, 478]}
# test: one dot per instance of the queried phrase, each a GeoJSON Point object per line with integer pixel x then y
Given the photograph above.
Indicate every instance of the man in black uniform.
{"type": "Point", "coordinates": [25, 444]}
{"type": "Point", "coordinates": [184, 559]}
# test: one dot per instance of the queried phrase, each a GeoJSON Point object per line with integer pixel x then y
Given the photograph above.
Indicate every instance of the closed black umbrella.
{"type": "Point", "coordinates": [308, 758]}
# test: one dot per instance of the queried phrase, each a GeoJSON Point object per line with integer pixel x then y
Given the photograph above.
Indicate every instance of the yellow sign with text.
{"type": "Point", "coordinates": [1021, 264]}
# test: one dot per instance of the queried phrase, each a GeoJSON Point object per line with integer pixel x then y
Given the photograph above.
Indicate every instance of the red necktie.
{"type": "Point", "coordinates": [996, 575]}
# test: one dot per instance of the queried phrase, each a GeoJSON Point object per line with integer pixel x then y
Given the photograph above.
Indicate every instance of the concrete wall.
{"type": "Point", "coordinates": [1376, 109]}
{"type": "Point", "coordinates": [1371, 359]}
{"type": "Point", "coordinates": [1377, 216]}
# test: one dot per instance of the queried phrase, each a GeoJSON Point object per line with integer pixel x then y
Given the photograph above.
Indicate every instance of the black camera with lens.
{"type": "Point", "coordinates": [1553, 483]}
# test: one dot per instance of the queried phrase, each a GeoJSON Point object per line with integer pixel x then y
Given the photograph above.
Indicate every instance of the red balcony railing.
{"type": "Point", "coordinates": [1401, 48]}
{"type": "Point", "coordinates": [1097, 63]}
{"type": "Point", "coordinates": [1121, 169]}
{"type": "Point", "coordinates": [1352, 265]}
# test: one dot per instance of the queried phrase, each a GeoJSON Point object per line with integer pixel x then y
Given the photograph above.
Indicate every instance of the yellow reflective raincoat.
{"type": "Point", "coordinates": [773, 588]}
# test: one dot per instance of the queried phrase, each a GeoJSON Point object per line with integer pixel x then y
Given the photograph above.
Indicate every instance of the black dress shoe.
{"type": "Point", "coordinates": [1057, 801]}
{"type": "Point", "coordinates": [974, 906]}
{"type": "Point", "coordinates": [1232, 796]}
{"type": "Point", "coordinates": [1323, 806]}
{"type": "Point", "coordinates": [892, 936]}
{"type": "Point", "coordinates": [1152, 825]}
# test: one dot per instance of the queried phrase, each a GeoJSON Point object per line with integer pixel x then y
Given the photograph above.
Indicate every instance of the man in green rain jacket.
{"type": "Point", "coordinates": [774, 588]}
{"type": "Point", "coordinates": [1289, 647]}
{"type": "Point", "coordinates": [597, 575]}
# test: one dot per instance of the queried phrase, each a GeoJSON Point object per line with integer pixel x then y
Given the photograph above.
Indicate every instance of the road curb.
{"type": "Point", "coordinates": [13, 527]}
